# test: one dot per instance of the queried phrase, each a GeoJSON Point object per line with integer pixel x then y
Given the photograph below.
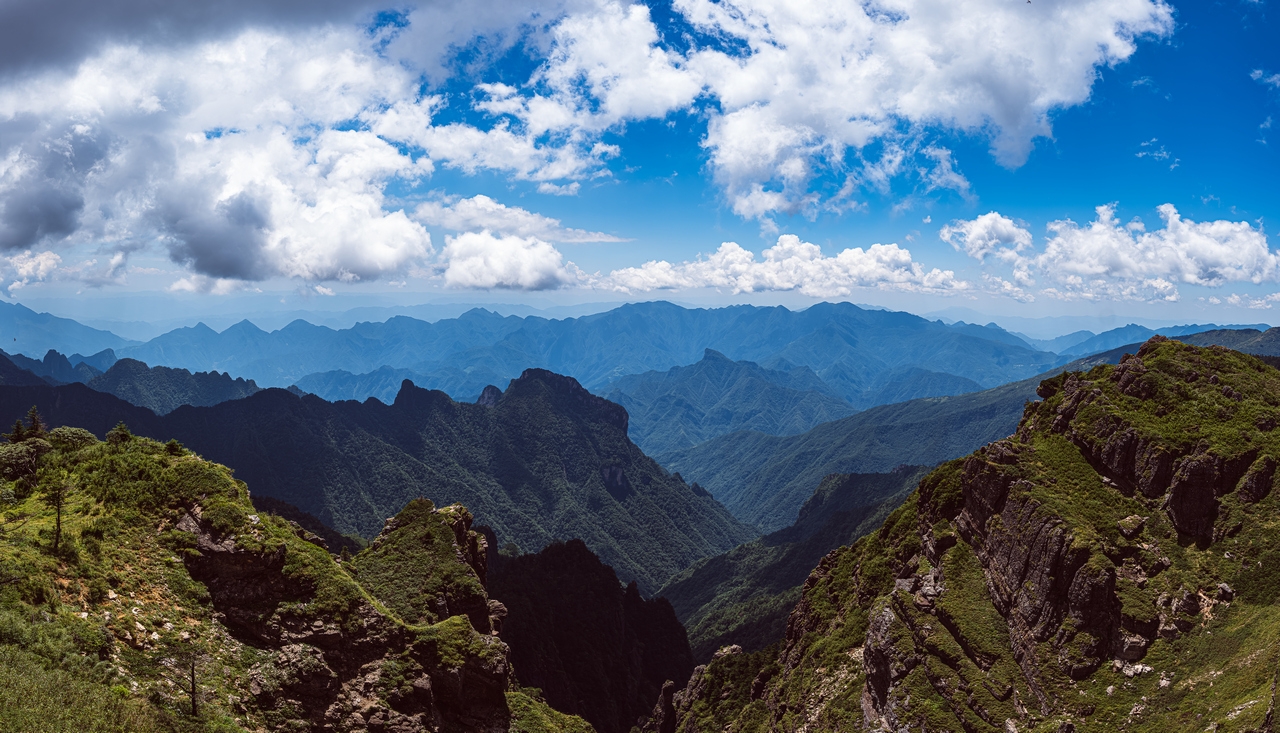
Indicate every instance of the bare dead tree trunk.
{"type": "Point", "coordinates": [194, 695]}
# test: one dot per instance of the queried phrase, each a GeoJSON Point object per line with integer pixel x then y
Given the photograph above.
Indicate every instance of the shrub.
{"type": "Point", "coordinates": [119, 434]}
{"type": "Point", "coordinates": [71, 439]}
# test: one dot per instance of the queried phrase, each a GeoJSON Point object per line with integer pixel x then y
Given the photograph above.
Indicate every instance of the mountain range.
{"type": "Point", "coordinates": [542, 460]}
{"type": "Point", "coordinates": [857, 352]}
{"type": "Point", "coordinates": [743, 596]}
{"type": "Point", "coordinates": [765, 479]}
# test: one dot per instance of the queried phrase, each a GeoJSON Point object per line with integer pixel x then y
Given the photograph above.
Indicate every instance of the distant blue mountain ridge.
{"type": "Point", "coordinates": [864, 357]}
{"type": "Point", "coordinates": [849, 348]}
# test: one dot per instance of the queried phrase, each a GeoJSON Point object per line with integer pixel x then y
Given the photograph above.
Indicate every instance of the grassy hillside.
{"type": "Point", "coordinates": [130, 568]}
{"type": "Point", "coordinates": [1110, 566]}
{"type": "Point", "coordinates": [545, 460]}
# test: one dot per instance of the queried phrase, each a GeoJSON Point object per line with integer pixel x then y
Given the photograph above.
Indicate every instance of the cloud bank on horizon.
{"type": "Point", "coordinates": [347, 142]}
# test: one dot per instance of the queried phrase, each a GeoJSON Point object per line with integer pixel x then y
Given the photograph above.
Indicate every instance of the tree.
{"type": "Point", "coordinates": [184, 656]}
{"type": "Point", "coordinates": [19, 433]}
{"type": "Point", "coordinates": [36, 425]}
{"type": "Point", "coordinates": [55, 497]}
{"type": "Point", "coordinates": [119, 434]}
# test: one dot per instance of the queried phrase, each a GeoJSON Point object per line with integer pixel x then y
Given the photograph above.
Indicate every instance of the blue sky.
{"type": "Point", "coordinates": [1014, 158]}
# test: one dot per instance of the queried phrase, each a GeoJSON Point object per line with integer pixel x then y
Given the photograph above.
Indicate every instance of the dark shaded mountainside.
{"type": "Point", "coordinates": [744, 596]}
{"type": "Point", "coordinates": [592, 648]}
{"type": "Point", "coordinates": [544, 460]}
{"type": "Point", "coordinates": [163, 390]}
{"type": "Point", "coordinates": [687, 405]}
{"type": "Point", "coordinates": [859, 353]}
{"type": "Point", "coordinates": [1114, 564]}
{"type": "Point", "coordinates": [157, 599]}
{"type": "Point", "coordinates": [159, 389]}
{"type": "Point", "coordinates": [764, 479]}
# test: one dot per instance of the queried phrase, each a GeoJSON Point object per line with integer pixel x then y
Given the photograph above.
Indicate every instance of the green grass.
{"type": "Point", "coordinates": [1216, 676]}
{"type": "Point", "coordinates": [87, 633]}
{"type": "Point", "coordinates": [529, 714]}
{"type": "Point", "coordinates": [35, 697]}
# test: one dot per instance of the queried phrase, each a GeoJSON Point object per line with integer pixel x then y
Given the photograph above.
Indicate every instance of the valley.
{"type": "Point", "coordinates": [641, 552]}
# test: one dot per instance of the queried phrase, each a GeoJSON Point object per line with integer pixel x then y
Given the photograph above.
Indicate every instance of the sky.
{"type": "Point", "coordinates": [1044, 158]}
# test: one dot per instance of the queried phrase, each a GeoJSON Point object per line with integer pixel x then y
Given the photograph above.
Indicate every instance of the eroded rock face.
{"type": "Point", "coordinates": [356, 672]}
{"type": "Point", "coordinates": [999, 592]}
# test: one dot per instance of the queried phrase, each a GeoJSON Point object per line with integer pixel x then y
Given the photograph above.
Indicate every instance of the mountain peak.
{"type": "Point", "coordinates": [569, 390]}
{"type": "Point", "coordinates": [489, 396]}
{"type": "Point", "coordinates": [713, 355]}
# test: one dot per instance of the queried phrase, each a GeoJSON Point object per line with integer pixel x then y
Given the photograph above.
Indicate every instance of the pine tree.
{"type": "Point", "coordinates": [55, 497]}
{"type": "Point", "coordinates": [36, 425]}
{"type": "Point", "coordinates": [19, 433]}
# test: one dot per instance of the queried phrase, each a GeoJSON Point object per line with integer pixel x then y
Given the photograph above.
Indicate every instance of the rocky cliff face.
{"type": "Point", "coordinates": [360, 668]}
{"type": "Point", "coordinates": [1107, 567]}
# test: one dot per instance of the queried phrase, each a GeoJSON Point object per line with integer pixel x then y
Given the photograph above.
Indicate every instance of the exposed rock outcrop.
{"type": "Point", "coordinates": [350, 667]}
{"type": "Point", "coordinates": [1083, 574]}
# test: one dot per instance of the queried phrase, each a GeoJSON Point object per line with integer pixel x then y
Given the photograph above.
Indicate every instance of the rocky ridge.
{"type": "Point", "coordinates": [1110, 566]}
{"type": "Point", "coordinates": [170, 587]}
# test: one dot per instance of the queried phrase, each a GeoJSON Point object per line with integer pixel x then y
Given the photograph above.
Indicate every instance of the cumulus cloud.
{"type": "Point", "coordinates": [791, 264]}
{"type": "Point", "coordinates": [483, 213]}
{"type": "Point", "coordinates": [486, 261]}
{"type": "Point", "coordinates": [986, 234]}
{"type": "Point", "coordinates": [232, 160]}
{"type": "Point", "coordinates": [1206, 253]}
{"type": "Point", "coordinates": [820, 78]}
{"type": "Point", "coordinates": [1108, 259]}
{"type": "Point", "coordinates": [260, 140]}
{"type": "Point", "coordinates": [795, 86]}
{"type": "Point", "coordinates": [32, 266]}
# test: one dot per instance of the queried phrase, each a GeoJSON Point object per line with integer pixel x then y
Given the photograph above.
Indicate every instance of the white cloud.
{"type": "Point", "coordinates": [816, 80]}
{"type": "Point", "coordinates": [1207, 253]}
{"type": "Point", "coordinates": [227, 153]}
{"type": "Point", "coordinates": [265, 153]}
{"type": "Point", "coordinates": [1110, 260]}
{"type": "Point", "coordinates": [791, 264]}
{"type": "Point", "coordinates": [1262, 77]}
{"type": "Point", "coordinates": [32, 266]}
{"type": "Point", "coordinates": [985, 235]}
{"type": "Point", "coordinates": [481, 212]}
{"type": "Point", "coordinates": [485, 261]}
{"type": "Point", "coordinates": [210, 285]}
{"type": "Point", "coordinates": [823, 77]}
{"type": "Point", "coordinates": [553, 189]}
